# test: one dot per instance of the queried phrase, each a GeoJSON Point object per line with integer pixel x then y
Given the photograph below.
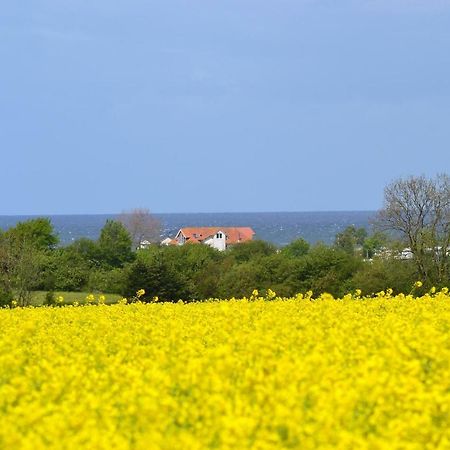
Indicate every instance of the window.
{"type": "Point", "coordinates": [219, 236]}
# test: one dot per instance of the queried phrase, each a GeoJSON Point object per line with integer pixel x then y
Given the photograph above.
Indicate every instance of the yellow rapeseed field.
{"type": "Point", "coordinates": [352, 373]}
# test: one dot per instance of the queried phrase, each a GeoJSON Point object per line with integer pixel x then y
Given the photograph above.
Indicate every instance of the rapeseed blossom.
{"type": "Point", "coordinates": [357, 373]}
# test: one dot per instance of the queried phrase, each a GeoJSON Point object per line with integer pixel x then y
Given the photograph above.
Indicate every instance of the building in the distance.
{"type": "Point", "coordinates": [217, 237]}
{"type": "Point", "coordinates": [169, 241]}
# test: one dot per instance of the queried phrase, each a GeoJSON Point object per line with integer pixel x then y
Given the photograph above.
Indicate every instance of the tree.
{"type": "Point", "coordinates": [155, 274]}
{"type": "Point", "coordinates": [70, 270]}
{"type": "Point", "coordinates": [326, 269]}
{"type": "Point", "coordinates": [20, 267]}
{"type": "Point", "coordinates": [37, 232]}
{"type": "Point", "coordinates": [240, 280]}
{"type": "Point", "coordinates": [350, 238]}
{"type": "Point", "coordinates": [115, 244]}
{"type": "Point", "coordinates": [23, 249]}
{"type": "Point", "coordinates": [419, 210]}
{"type": "Point", "coordinates": [374, 243]}
{"type": "Point", "coordinates": [87, 249]}
{"type": "Point", "coordinates": [142, 226]}
{"type": "Point", "coordinates": [383, 273]}
{"type": "Point", "coordinates": [296, 248]}
{"type": "Point", "coordinates": [252, 249]}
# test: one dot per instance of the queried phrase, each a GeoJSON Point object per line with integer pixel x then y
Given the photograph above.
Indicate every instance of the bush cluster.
{"type": "Point", "coordinates": [196, 272]}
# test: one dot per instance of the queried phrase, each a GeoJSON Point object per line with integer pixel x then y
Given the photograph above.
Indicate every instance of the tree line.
{"type": "Point", "coordinates": [415, 214]}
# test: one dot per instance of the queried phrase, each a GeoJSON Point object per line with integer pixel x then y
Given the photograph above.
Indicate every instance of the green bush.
{"type": "Point", "coordinates": [110, 281]}
{"type": "Point", "coordinates": [50, 298]}
{"type": "Point", "coordinates": [381, 274]}
{"type": "Point", "coordinates": [6, 297]}
{"type": "Point", "coordinates": [157, 277]}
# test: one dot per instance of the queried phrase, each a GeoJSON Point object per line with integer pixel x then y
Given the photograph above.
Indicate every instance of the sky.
{"type": "Point", "coordinates": [219, 106]}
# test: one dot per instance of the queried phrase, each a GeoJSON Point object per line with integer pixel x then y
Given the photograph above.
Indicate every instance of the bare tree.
{"type": "Point", "coordinates": [419, 209]}
{"type": "Point", "coordinates": [141, 225]}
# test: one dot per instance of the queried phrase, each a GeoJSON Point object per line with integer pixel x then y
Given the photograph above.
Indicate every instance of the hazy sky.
{"type": "Point", "coordinates": [225, 105]}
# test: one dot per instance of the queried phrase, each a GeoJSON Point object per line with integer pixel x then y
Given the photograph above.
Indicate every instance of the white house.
{"type": "Point", "coordinates": [216, 237]}
{"type": "Point", "coordinates": [406, 253]}
{"type": "Point", "coordinates": [218, 241]}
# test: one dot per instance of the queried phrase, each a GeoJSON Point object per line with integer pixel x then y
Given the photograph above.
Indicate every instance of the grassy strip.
{"type": "Point", "coordinates": [71, 297]}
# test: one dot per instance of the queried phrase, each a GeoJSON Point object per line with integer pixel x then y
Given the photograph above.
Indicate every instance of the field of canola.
{"type": "Point", "coordinates": [285, 373]}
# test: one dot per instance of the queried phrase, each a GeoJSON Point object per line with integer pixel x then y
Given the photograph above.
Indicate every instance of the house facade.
{"type": "Point", "coordinates": [219, 238]}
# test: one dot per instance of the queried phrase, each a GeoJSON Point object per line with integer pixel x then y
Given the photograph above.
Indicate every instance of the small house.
{"type": "Point", "coordinates": [219, 238]}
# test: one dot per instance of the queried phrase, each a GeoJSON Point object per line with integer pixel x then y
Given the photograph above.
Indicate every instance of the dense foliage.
{"type": "Point", "coordinates": [30, 261]}
{"type": "Point", "coordinates": [250, 373]}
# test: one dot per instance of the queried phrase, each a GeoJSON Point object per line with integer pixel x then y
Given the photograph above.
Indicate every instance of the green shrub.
{"type": "Point", "coordinates": [110, 281]}
{"type": "Point", "coordinates": [50, 299]}
{"type": "Point", "coordinates": [381, 274]}
{"type": "Point", "coordinates": [6, 297]}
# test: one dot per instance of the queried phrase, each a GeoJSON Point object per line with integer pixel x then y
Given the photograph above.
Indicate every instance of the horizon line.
{"type": "Point", "coordinates": [192, 212]}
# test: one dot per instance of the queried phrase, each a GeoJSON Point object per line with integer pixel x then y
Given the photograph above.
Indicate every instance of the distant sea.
{"type": "Point", "coordinates": [277, 227]}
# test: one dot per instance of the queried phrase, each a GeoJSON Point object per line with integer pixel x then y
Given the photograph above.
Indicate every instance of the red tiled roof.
{"type": "Point", "coordinates": [234, 234]}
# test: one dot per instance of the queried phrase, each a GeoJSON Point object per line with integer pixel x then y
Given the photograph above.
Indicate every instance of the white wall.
{"type": "Point", "coordinates": [216, 242]}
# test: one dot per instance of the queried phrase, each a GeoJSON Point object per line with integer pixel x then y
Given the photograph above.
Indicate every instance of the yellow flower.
{"type": "Point", "coordinates": [101, 299]}
{"type": "Point", "coordinates": [418, 284]}
{"type": "Point", "coordinates": [140, 293]}
{"type": "Point", "coordinates": [90, 298]}
{"type": "Point", "coordinates": [287, 373]}
{"type": "Point", "coordinates": [326, 296]}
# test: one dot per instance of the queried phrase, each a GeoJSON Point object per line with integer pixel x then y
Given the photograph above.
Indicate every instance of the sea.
{"type": "Point", "coordinates": [280, 228]}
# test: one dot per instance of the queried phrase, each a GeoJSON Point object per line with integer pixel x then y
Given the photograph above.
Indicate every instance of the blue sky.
{"type": "Point", "coordinates": [214, 106]}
